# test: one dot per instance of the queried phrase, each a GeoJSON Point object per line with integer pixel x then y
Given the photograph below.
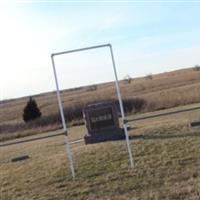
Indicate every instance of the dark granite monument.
{"type": "Point", "coordinates": [102, 123]}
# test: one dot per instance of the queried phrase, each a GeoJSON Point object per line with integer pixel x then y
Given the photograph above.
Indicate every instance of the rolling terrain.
{"type": "Point", "coordinates": [161, 91]}
{"type": "Point", "coordinates": [166, 164]}
{"type": "Point", "coordinates": [165, 149]}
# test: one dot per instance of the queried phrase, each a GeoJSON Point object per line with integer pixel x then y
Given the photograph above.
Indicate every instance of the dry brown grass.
{"type": "Point", "coordinates": [163, 91]}
{"type": "Point", "coordinates": [166, 155]}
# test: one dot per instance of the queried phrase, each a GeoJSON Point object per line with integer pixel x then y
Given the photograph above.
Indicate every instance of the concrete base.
{"type": "Point", "coordinates": [116, 134]}
{"type": "Point", "coordinates": [20, 158]}
{"type": "Point", "coordinates": [195, 123]}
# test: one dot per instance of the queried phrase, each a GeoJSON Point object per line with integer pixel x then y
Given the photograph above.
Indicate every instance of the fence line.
{"type": "Point", "coordinates": [81, 140]}
{"type": "Point", "coordinates": [163, 114]}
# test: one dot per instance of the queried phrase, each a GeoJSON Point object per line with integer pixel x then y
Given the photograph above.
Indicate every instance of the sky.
{"type": "Point", "coordinates": [147, 37]}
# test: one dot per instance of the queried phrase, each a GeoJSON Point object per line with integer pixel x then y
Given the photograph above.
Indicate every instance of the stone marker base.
{"type": "Point", "coordinates": [20, 158]}
{"type": "Point", "coordinates": [195, 123]}
{"type": "Point", "coordinates": [116, 134]}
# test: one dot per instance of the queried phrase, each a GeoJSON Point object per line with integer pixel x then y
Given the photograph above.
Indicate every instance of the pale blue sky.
{"type": "Point", "coordinates": [147, 38]}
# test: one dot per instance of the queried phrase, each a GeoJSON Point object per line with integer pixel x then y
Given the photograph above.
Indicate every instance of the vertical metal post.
{"type": "Point", "coordinates": [121, 108]}
{"type": "Point", "coordinates": [118, 95]}
{"type": "Point", "coordinates": [69, 153]}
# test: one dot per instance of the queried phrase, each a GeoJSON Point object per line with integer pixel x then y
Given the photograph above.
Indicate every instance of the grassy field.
{"type": "Point", "coordinates": [166, 158]}
{"type": "Point", "coordinates": [169, 89]}
{"type": "Point", "coordinates": [163, 91]}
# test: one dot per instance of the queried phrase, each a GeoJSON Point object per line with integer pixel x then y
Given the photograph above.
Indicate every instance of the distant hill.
{"type": "Point", "coordinates": [161, 91]}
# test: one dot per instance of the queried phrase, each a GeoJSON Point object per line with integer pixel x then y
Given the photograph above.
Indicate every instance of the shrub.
{"type": "Point", "coordinates": [197, 68]}
{"type": "Point", "coordinates": [149, 77]}
{"type": "Point", "coordinates": [91, 88]}
{"type": "Point", "coordinates": [133, 105]}
{"type": "Point", "coordinates": [31, 110]}
{"type": "Point", "coordinates": [128, 79]}
{"type": "Point", "coordinates": [73, 115]}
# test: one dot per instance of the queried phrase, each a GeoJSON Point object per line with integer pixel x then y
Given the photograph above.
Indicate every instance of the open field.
{"type": "Point", "coordinates": [163, 91]}
{"type": "Point", "coordinates": [166, 149]}
{"type": "Point", "coordinates": [166, 155]}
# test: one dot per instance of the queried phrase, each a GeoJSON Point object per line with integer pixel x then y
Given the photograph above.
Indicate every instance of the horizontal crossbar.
{"type": "Point", "coordinates": [81, 49]}
{"type": "Point", "coordinates": [32, 139]}
{"type": "Point", "coordinates": [163, 114]}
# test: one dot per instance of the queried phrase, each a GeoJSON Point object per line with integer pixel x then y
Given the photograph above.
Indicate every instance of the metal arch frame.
{"type": "Point", "coordinates": [68, 147]}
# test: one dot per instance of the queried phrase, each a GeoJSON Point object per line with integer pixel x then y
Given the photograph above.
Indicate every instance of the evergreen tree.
{"type": "Point", "coordinates": [31, 110]}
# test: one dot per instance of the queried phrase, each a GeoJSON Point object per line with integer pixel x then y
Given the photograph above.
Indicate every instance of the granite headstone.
{"type": "Point", "coordinates": [102, 123]}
